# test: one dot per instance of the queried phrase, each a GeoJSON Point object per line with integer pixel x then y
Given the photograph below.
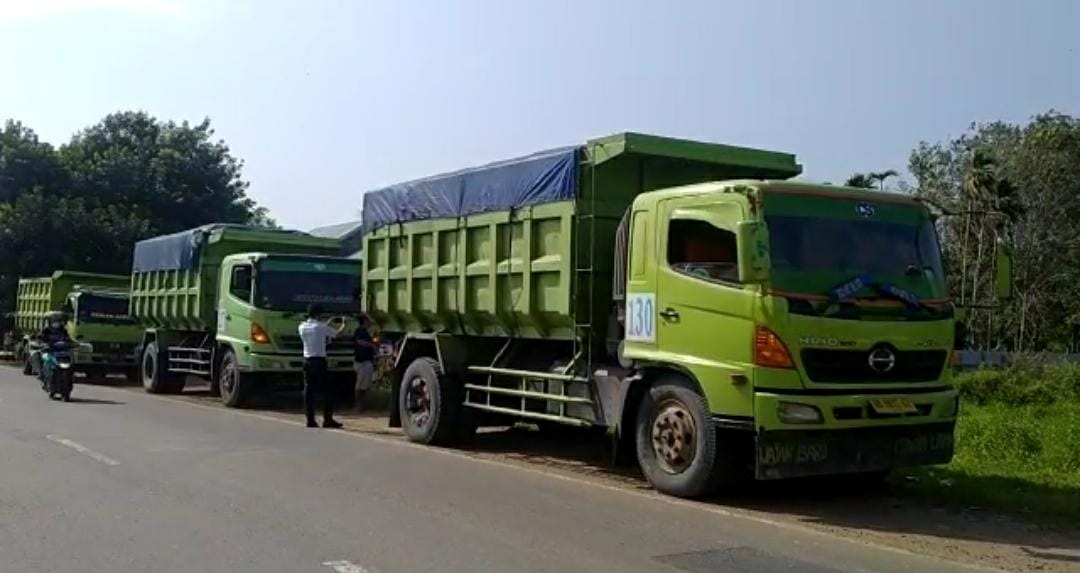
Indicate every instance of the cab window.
{"type": "Point", "coordinates": [701, 250]}
{"type": "Point", "coordinates": [240, 285]}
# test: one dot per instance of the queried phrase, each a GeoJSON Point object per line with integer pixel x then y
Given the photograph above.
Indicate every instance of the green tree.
{"type": "Point", "coordinates": [26, 162]}
{"type": "Point", "coordinates": [1019, 184]}
{"type": "Point", "coordinates": [126, 178]}
{"type": "Point", "coordinates": [175, 176]}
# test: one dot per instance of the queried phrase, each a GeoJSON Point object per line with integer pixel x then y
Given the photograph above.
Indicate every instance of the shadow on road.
{"type": "Point", "coordinates": [78, 400]}
{"type": "Point", "coordinates": [893, 507]}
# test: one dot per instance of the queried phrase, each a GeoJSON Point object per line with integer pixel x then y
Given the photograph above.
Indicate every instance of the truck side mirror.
{"type": "Point", "coordinates": [753, 240]}
{"type": "Point", "coordinates": [1003, 271]}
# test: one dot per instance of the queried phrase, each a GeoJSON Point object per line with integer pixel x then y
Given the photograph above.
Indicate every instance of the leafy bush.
{"type": "Point", "coordinates": [1027, 382]}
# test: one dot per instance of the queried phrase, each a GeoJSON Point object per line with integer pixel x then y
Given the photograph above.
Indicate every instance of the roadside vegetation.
{"type": "Point", "coordinates": [1017, 444]}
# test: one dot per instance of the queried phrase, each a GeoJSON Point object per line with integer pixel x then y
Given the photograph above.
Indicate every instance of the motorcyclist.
{"type": "Point", "coordinates": [53, 332]}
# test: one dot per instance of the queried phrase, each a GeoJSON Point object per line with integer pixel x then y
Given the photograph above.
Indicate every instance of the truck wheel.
{"type": "Point", "coordinates": [156, 377]}
{"type": "Point", "coordinates": [236, 387]}
{"type": "Point", "coordinates": [429, 403]}
{"type": "Point", "coordinates": [676, 441]}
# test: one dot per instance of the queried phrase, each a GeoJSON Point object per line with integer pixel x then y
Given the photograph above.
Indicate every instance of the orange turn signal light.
{"type": "Point", "coordinates": [258, 334]}
{"type": "Point", "coordinates": [769, 350]}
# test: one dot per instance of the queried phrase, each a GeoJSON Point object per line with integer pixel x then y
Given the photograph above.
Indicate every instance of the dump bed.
{"type": "Point", "coordinates": [525, 248]}
{"type": "Point", "coordinates": [38, 296]}
{"type": "Point", "coordinates": [175, 277]}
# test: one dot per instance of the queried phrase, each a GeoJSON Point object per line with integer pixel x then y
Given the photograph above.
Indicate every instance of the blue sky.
{"type": "Point", "coordinates": [326, 99]}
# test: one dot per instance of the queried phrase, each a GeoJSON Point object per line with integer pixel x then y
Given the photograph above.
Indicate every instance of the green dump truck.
{"type": "Point", "coordinates": [720, 321]}
{"type": "Point", "coordinates": [96, 307]}
{"type": "Point", "coordinates": [223, 303]}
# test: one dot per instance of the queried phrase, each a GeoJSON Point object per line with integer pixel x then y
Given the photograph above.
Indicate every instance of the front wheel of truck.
{"type": "Point", "coordinates": [430, 404]}
{"type": "Point", "coordinates": [676, 441]}
{"type": "Point", "coordinates": [235, 386]}
{"type": "Point", "coordinates": [156, 377]}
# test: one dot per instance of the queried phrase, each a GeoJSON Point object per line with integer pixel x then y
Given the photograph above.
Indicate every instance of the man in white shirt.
{"type": "Point", "coordinates": [315, 334]}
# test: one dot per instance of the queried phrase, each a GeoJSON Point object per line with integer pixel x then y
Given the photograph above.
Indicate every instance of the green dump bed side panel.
{"type": "Point", "coordinates": [38, 296]}
{"type": "Point", "coordinates": [542, 271]}
{"type": "Point", "coordinates": [186, 299]}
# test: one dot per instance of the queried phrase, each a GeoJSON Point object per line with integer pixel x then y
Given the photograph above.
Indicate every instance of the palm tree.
{"type": "Point", "coordinates": [860, 180]}
{"type": "Point", "coordinates": [881, 176]}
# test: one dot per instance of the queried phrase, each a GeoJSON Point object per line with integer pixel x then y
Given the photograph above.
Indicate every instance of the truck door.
{"type": "Point", "coordinates": [233, 321]}
{"type": "Point", "coordinates": [704, 315]}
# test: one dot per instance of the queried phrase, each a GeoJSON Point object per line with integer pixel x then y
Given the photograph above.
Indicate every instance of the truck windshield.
{"type": "Point", "coordinates": [291, 290]}
{"type": "Point", "coordinates": [103, 309]}
{"type": "Point", "coordinates": [812, 255]}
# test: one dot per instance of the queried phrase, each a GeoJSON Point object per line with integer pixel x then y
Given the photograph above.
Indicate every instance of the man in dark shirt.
{"type": "Point", "coordinates": [363, 361]}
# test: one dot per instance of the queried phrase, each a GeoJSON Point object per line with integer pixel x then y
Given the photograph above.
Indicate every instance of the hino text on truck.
{"type": "Point", "coordinates": [719, 320]}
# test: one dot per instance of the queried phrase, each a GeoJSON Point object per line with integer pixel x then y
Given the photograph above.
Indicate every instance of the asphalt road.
{"type": "Point", "coordinates": [120, 481]}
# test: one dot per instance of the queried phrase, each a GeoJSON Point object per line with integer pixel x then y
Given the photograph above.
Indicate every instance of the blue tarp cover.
{"type": "Point", "coordinates": [170, 252]}
{"type": "Point", "coordinates": [544, 177]}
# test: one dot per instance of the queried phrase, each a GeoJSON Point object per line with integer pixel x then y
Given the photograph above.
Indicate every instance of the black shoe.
{"type": "Point", "coordinates": [312, 424]}
{"type": "Point", "coordinates": [331, 424]}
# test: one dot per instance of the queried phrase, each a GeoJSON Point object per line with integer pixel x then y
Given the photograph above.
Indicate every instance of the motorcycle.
{"type": "Point", "coordinates": [57, 375]}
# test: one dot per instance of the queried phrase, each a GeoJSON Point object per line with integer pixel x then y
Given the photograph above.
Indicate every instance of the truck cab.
{"type": "Point", "coordinates": [263, 299]}
{"type": "Point", "coordinates": [815, 319]}
{"type": "Point", "coordinates": [101, 318]}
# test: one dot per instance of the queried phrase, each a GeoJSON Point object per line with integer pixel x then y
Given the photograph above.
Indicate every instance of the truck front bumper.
{"type": "Point", "coordinates": [853, 436]}
{"type": "Point", "coordinates": [106, 361]}
{"type": "Point", "coordinates": [794, 453]}
{"type": "Point", "coordinates": [294, 363]}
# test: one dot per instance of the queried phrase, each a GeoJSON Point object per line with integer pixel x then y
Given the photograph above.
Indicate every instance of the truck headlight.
{"type": "Point", "coordinates": [795, 413]}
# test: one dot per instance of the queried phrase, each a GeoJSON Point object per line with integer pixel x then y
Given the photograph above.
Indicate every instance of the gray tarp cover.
{"type": "Point", "coordinates": [544, 177]}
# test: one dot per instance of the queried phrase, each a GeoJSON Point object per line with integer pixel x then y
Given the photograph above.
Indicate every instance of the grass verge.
{"type": "Point", "coordinates": [1017, 445]}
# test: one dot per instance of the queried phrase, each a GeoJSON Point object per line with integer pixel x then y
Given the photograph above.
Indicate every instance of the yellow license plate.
{"type": "Point", "coordinates": [893, 406]}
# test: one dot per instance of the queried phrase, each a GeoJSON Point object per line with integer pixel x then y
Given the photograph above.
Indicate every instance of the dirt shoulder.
{"type": "Point", "coordinates": [884, 515]}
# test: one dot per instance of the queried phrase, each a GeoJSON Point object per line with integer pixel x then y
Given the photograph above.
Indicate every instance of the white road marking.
{"type": "Point", "coordinates": [345, 567]}
{"type": "Point", "coordinates": [83, 450]}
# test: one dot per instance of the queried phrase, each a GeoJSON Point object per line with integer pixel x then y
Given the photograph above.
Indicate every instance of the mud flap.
{"type": "Point", "coordinates": [797, 453]}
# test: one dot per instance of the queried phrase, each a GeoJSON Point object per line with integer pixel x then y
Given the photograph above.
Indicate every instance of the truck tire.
{"type": "Point", "coordinates": [430, 404]}
{"type": "Point", "coordinates": [676, 440]}
{"type": "Point", "coordinates": [156, 377]}
{"type": "Point", "coordinates": [236, 387]}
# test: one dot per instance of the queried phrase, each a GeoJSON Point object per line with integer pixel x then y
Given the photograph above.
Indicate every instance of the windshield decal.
{"type": "Point", "coordinates": [846, 292]}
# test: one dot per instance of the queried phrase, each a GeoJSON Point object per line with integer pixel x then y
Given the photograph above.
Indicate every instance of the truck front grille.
{"type": "Point", "coordinates": [853, 366]}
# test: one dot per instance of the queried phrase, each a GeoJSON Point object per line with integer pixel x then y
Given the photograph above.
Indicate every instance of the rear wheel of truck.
{"type": "Point", "coordinates": [156, 377]}
{"type": "Point", "coordinates": [236, 387]}
{"type": "Point", "coordinates": [676, 441]}
{"type": "Point", "coordinates": [430, 405]}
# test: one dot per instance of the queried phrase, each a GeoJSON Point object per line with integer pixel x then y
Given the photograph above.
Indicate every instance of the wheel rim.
{"type": "Point", "coordinates": [228, 378]}
{"type": "Point", "coordinates": [674, 436]}
{"type": "Point", "coordinates": [418, 402]}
